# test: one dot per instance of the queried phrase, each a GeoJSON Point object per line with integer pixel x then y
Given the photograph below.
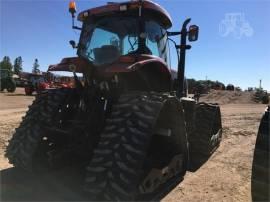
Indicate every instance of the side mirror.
{"type": "Point", "coordinates": [73, 44]}
{"type": "Point", "coordinates": [193, 33]}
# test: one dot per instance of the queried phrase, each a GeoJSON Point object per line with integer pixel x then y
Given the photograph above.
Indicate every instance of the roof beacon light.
{"type": "Point", "coordinates": [72, 7]}
{"type": "Point", "coordinates": [72, 10]}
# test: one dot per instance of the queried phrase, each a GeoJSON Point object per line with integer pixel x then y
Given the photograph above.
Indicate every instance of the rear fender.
{"type": "Point", "coordinates": [71, 64]}
{"type": "Point", "coordinates": [150, 75]}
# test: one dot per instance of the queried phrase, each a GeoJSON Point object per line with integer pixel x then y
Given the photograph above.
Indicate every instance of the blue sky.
{"type": "Point", "coordinates": [42, 28]}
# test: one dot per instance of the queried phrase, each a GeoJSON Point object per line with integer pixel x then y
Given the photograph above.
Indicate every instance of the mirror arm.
{"type": "Point", "coordinates": [73, 11]}
{"type": "Point", "coordinates": [173, 33]}
{"type": "Point", "coordinates": [75, 27]}
{"type": "Point", "coordinates": [186, 47]}
{"type": "Point", "coordinates": [73, 23]}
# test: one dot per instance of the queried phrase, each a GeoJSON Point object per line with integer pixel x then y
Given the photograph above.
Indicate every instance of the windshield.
{"type": "Point", "coordinates": [106, 40]}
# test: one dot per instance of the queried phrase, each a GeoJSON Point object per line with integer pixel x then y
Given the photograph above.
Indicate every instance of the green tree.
{"type": "Point", "coordinates": [35, 68]}
{"type": "Point", "coordinates": [17, 65]}
{"type": "Point", "coordinates": [6, 64]}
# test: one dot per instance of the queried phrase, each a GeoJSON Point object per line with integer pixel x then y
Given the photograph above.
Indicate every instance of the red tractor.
{"type": "Point", "coordinates": [38, 83]}
{"type": "Point", "coordinates": [128, 125]}
{"type": "Point", "coordinates": [35, 82]}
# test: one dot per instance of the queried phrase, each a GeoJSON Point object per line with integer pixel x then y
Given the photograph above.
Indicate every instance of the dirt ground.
{"type": "Point", "coordinates": [229, 97]}
{"type": "Point", "coordinates": [224, 177]}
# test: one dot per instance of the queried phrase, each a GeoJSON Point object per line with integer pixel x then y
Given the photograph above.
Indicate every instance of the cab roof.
{"type": "Point", "coordinates": [150, 8]}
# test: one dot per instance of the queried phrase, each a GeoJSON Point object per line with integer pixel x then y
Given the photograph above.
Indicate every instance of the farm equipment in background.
{"type": "Point", "coordinates": [261, 96]}
{"type": "Point", "coordinates": [7, 81]}
{"type": "Point", "coordinates": [128, 126]}
{"type": "Point", "coordinates": [230, 87]}
{"type": "Point", "coordinates": [38, 83]}
{"type": "Point", "coordinates": [260, 180]}
{"type": "Point", "coordinates": [20, 82]}
{"type": "Point", "coordinates": [35, 82]}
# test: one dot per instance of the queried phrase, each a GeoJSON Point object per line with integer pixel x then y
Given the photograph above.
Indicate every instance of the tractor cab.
{"type": "Point", "coordinates": [129, 37]}
{"type": "Point", "coordinates": [116, 30]}
{"type": "Point", "coordinates": [105, 40]}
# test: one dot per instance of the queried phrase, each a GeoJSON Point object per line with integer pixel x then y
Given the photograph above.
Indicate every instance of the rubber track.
{"type": "Point", "coordinates": [115, 169]}
{"type": "Point", "coordinates": [207, 121]}
{"type": "Point", "coordinates": [260, 184]}
{"type": "Point", "coordinates": [28, 135]}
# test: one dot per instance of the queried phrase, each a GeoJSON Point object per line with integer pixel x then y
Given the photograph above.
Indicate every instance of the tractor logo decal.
{"type": "Point", "coordinates": [236, 25]}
